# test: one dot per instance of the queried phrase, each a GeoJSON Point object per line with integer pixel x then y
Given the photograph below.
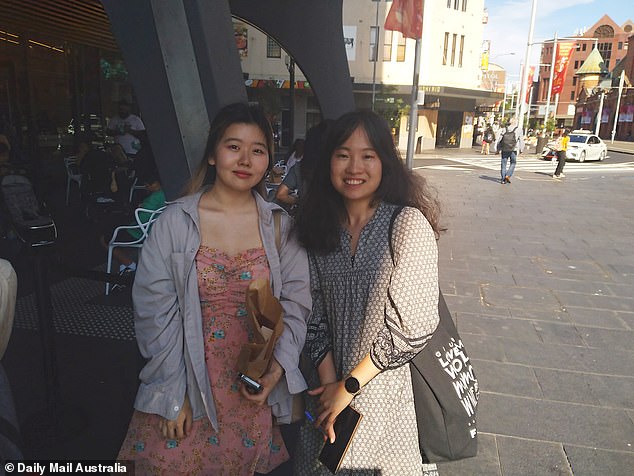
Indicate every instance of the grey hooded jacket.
{"type": "Point", "coordinates": [168, 318]}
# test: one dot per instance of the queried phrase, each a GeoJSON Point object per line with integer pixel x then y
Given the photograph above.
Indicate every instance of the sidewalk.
{"type": "Point", "coordinates": [539, 276]}
{"type": "Point", "coordinates": [622, 146]}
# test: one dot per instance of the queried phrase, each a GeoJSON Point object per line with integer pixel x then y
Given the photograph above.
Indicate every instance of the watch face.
{"type": "Point", "coordinates": [352, 385]}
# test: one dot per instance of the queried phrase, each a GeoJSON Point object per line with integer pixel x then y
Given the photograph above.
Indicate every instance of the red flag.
{"type": "Point", "coordinates": [406, 16]}
{"type": "Point", "coordinates": [564, 50]}
{"type": "Point", "coordinates": [529, 84]}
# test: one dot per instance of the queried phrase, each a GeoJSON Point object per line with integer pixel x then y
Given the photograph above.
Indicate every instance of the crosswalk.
{"type": "Point", "coordinates": [530, 164]}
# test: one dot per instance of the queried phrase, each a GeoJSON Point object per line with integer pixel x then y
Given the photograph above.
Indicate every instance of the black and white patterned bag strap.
{"type": "Point", "coordinates": [396, 212]}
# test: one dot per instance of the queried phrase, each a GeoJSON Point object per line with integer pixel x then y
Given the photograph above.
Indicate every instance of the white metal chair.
{"type": "Point", "coordinates": [141, 225]}
{"type": "Point", "coordinates": [72, 174]}
{"type": "Point", "coordinates": [134, 186]}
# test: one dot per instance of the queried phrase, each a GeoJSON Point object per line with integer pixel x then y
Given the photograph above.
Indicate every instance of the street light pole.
{"type": "Point", "coordinates": [524, 77]}
{"type": "Point", "coordinates": [375, 55]}
{"type": "Point", "coordinates": [618, 104]}
{"type": "Point", "coordinates": [597, 126]}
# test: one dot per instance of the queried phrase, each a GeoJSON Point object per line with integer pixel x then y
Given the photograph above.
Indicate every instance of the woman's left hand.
{"type": "Point", "coordinates": [268, 381]}
{"type": "Point", "coordinates": [333, 398]}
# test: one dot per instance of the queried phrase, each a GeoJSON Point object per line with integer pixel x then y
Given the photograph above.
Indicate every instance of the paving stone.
{"type": "Point", "coordinates": [482, 347]}
{"type": "Point", "coordinates": [500, 326]}
{"type": "Point", "coordinates": [464, 304]}
{"type": "Point", "coordinates": [510, 379]}
{"type": "Point", "coordinates": [486, 462]}
{"type": "Point", "coordinates": [564, 333]}
{"type": "Point", "coordinates": [574, 387]}
{"type": "Point", "coordinates": [603, 318]}
{"type": "Point", "coordinates": [624, 270]}
{"type": "Point", "coordinates": [558, 284]}
{"type": "Point", "coordinates": [593, 462]}
{"type": "Point", "coordinates": [597, 302]}
{"type": "Point", "coordinates": [616, 392]}
{"type": "Point", "coordinates": [538, 315]}
{"type": "Point", "coordinates": [531, 458]}
{"type": "Point", "coordinates": [581, 425]}
{"type": "Point", "coordinates": [627, 318]}
{"type": "Point", "coordinates": [568, 357]}
{"type": "Point", "coordinates": [608, 338]}
{"type": "Point", "coordinates": [516, 297]}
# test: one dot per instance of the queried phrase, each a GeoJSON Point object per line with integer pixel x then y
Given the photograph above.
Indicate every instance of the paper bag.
{"type": "Point", "coordinates": [264, 312]}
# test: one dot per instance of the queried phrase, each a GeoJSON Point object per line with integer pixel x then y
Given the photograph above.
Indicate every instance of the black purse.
{"type": "Point", "coordinates": [445, 388]}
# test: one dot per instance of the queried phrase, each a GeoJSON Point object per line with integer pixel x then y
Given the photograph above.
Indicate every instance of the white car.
{"type": "Point", "coordinates": [583, 146]}
{"type": "Point", "coordinates": [586, 146]}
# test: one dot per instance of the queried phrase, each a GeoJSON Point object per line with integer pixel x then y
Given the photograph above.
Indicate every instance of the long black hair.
{"type": "Point", "coordinates": [237, 113]}
{"type": "Point", "coordinates": [322, 212]}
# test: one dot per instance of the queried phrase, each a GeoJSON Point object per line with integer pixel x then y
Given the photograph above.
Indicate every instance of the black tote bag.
{"type": "Point", "coordinates": [446, 390]}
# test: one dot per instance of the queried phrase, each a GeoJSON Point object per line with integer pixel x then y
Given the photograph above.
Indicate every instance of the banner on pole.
{"type": "Point", "coordinates": [529, 83]}
{"type": "Point", "coordinates": [406, 16]}
{"type": "Point", "coordinates": [564, 51]}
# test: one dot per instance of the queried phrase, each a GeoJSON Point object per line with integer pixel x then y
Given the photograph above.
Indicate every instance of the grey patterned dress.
{"type": "Point", "coordinates": [352, 317]}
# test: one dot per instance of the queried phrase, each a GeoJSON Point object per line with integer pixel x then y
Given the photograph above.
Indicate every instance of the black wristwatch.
{"type": "Point", "coordinates": [352, 385]}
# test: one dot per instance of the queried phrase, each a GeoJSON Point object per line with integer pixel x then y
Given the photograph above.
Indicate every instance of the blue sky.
{"type": "Point", "coordinates": [509, 22]}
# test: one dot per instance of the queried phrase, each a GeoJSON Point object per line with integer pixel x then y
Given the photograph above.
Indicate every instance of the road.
{"type": "Point", "coordinates": [529, 164]}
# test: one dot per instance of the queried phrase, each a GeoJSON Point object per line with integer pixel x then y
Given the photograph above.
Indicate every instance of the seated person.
{"type": "Point", "coordinates": [154, 201]}
{"type": "Point", "coordinates": [297, 152]}
{"type": "Point", "coordinates": [95, 166]}
{"type": "Point", "coordinates": [287, 193]}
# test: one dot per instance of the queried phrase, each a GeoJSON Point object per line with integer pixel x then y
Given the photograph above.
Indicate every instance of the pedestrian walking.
{"type": "Point", "coordinates": [370, 315]}
{"type": "Point", "coordinates": [193, 415]}
{"type": "Point", "coordinates": [561, 146]}
{"type": "Point", "coordinates": [487, 140]}
{"type": "Point", "coordinates": [510, 143]}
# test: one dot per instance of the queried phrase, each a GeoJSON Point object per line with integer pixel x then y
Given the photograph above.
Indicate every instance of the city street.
{"type": "Point", "coordinates": [539, 275]}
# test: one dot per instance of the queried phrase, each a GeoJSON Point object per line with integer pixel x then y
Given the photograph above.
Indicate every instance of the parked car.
{"type": "Point", "coordinates": [583, 146]}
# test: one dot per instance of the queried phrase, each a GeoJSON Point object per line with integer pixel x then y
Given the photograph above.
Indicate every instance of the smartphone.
{"type": "Point", "coordinates": [252, 385]}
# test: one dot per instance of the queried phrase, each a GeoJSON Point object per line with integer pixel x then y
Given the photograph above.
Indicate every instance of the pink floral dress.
{"type": "Point", "coordinates": [247, 440]}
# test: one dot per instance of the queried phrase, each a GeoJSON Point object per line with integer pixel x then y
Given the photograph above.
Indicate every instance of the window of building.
{"type": "Point", "coordinates": [273, 49]}
{"type": "Point", "coordinates": [448, 3]}
{"type": "Point", "coordinates": [574, 80]}
{"type": "Point", "coordinates": [576, 64]}
{"type": "Point", "coordinates": [583, 47]}
{"type": "Point", "coordinates": [607, 64]}
{"type": "Point", "coordinates": [453, 49]}
{"type": "Point", "coordinates": [606, 51]}
{"type": "Point", "coordinates": [572, 95]}
{"type": "Point", "coordinates": [374, 40]}
{"type": "Point", "coordinates": [461, 51]}
{"type": "Point", "coordinates": [445, 48]}
{"type": "Point", "coordinates": [387, 45]}
{"type": "Point", "coordinates": [464, 5]}
{"type": "Point", "coordinates": [456, 4]}
{"type": "Point", "coordinates": [578, 47]}
{"type": "Point", "coordinates": [400, 48]}
{"type": "Point", "coordinates": [620, 45]}
{"type": "Point", "coordinates": [604, 31]}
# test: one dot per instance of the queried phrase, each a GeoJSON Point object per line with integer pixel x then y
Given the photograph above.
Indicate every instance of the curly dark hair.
{"type": "Point", "coordinates": [322, 212]}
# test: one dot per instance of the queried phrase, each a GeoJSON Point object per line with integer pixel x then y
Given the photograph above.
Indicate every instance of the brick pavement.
{"type": "Point", "coordinates": [539, 275]}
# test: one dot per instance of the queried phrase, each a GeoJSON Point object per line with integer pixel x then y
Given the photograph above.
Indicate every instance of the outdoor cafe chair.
{"type": "Point", "coordinates": [143, 226]}
{"type": "Point", "coordinates": [72, 174]}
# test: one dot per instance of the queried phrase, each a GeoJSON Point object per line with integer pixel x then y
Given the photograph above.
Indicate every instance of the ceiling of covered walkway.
{"type": "Point", "coordinates": [76, 21]}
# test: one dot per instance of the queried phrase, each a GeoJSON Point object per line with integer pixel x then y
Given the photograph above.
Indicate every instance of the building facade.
{"type": "Point", "coordinates": [606, 104]}
{"type": "Point", "coordinates": [608, 37]}
{"type": "Point", "coordinates": [381, 64]}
